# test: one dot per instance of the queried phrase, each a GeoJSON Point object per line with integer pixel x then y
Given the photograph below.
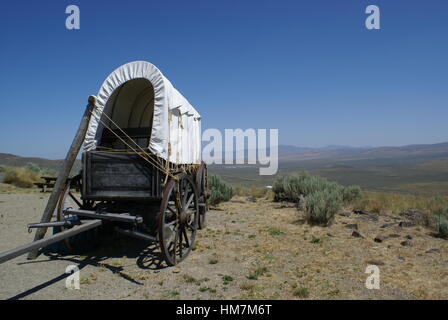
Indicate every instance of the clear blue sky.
{"type": "Point", "coordinates": [309, 68]}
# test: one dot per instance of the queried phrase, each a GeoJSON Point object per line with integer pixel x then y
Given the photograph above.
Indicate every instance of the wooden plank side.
{"type": "Point", "coordinates": [110, 175]}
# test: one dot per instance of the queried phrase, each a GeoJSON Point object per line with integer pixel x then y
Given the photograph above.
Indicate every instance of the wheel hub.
{"type": "Point", "coordinates": [185, 217]}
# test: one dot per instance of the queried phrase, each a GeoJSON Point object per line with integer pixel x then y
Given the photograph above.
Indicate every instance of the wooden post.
{"type": "Point", "coordinates": [64, 173]}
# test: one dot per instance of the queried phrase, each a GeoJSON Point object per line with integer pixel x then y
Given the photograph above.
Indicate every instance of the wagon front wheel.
{"type": "Point", "coordinates": [70, 199]}
{"type": "Point", "coordinates": [178, 219]}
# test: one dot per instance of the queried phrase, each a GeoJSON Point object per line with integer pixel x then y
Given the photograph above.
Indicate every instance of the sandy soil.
{"type": "Point", "coordinates": [250, 250]}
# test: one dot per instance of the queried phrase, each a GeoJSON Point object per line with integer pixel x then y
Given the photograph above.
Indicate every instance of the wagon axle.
{"type": "Point", "coordinates": [120, 217]}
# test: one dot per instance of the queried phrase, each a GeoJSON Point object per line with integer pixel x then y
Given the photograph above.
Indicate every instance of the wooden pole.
{"type": "Point", "coordinates": [36, 245]}
{"type": "Point", "coordinates": [64, 173]}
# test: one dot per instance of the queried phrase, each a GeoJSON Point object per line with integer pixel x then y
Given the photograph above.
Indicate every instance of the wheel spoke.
{"type": "Point", "coordinates": [175, 245]}
{"type": "Point", "coordinates": [186, 192]}
{"type": "Point", "coordinates": [170, 223]}
{"type": "Point", "coordinates": [189, 201]}
{"type": "Point", "coordinates": [74, 199]}
{"type": "Point", "coordinates": [191, 227]}
{"type": "Point", "coordinates": [178, 202]}
{"type": "Point", "coordinates": [184, 231]}
{"type": "Point", "coordinates": [172, 210]}
{"type": "Point", "coordinates": [180, 242]}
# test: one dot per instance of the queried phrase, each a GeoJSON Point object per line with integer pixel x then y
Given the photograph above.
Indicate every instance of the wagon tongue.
{"type": "Point", "coordinates": [36, 245]}
{"type": "Point", "coordinates": [94, 220]}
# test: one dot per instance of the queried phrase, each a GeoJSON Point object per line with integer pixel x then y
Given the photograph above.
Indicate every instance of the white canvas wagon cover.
{"type": "Point", "coordinates": [138, 95]}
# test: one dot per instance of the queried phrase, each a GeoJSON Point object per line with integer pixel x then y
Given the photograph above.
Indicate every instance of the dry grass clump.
{"type": "Point", "coordinates": [301, 292]}
{"type": "Point", "coordinates": [25, 177]}
{"type": "Point", "coordinates": [253, 275]}
{"type": "Point", "coordinates": [21, 177]}
{"type": "Point", "coordinates": [435, 208]}
{"type": "Point", "coordinates": [396, 202]}
{"type": "Point", "coordinates": [256, 192]}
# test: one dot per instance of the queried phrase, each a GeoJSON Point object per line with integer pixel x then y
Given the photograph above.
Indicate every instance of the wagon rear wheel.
{"type": "Point", "coordinates": [201, 180]}
{"type": "Point", "coordinates": [178, 219]}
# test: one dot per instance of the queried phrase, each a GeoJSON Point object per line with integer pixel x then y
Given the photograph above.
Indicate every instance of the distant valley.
{"type": "Point", "coordinates": [414, 168]}
{"type": "Point", "coordinates": [421, 169]}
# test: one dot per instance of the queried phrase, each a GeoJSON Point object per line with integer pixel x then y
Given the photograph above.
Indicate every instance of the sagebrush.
{"type": "Point", "coordinates": [40, 170]}
{"type": "Point", "coordinates": [219, 190]}
{"type": "Point", "coordinates": [319, 197]}
{"type": "Point", "coordinates": [441, 222]}
{"type": "Point", "coordinates": [322, 205]}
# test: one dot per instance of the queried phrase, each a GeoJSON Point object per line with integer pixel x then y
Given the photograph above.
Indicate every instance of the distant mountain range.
{"type": "Point", "coordinates": [290, 153]}
{"type": "Point", "coordinates": [7, 159]}
{"type": "Point", "coordinates": [293, 149]}
{"type": "Point", "coordinates": [287, 154]}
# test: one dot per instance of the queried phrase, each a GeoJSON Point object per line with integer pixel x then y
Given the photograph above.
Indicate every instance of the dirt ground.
{"type": "Point", "coordinates": [249, 250]}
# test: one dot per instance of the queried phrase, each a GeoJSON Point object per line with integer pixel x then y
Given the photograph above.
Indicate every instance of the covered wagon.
{"type": "Point", "coordinates": [142, 173]}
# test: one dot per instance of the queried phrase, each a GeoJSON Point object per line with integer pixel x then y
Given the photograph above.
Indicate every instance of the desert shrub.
{"type": "Point", "coordinates": [441, 222]}
{"type": "Point", "coordinates": [319, 197]}
{"type": "Point", "coordinates": [219, 190]}
{"type": "Point", "coordinates": [322, 205]}
{"type": "Point", "coordinates": [351, 193]}
{"type": "Point", "coordinates": [40, 170]}
{"type": "Point", "coordinates": [292, 186]}
{"type": "Point", "coordinates": [286, 187]}
{"type": "Point", "coordinates": [33, 167]}
{"type": "Point", "coordinates": [21, 177]}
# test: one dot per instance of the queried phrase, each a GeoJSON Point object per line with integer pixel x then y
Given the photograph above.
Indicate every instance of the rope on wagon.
{"type": "Point", "coordinates": [184, 168]}
{"type": "Point", "coordinates": [159, 164]}
{"type": "Point", "coordinates": [148, 156]}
